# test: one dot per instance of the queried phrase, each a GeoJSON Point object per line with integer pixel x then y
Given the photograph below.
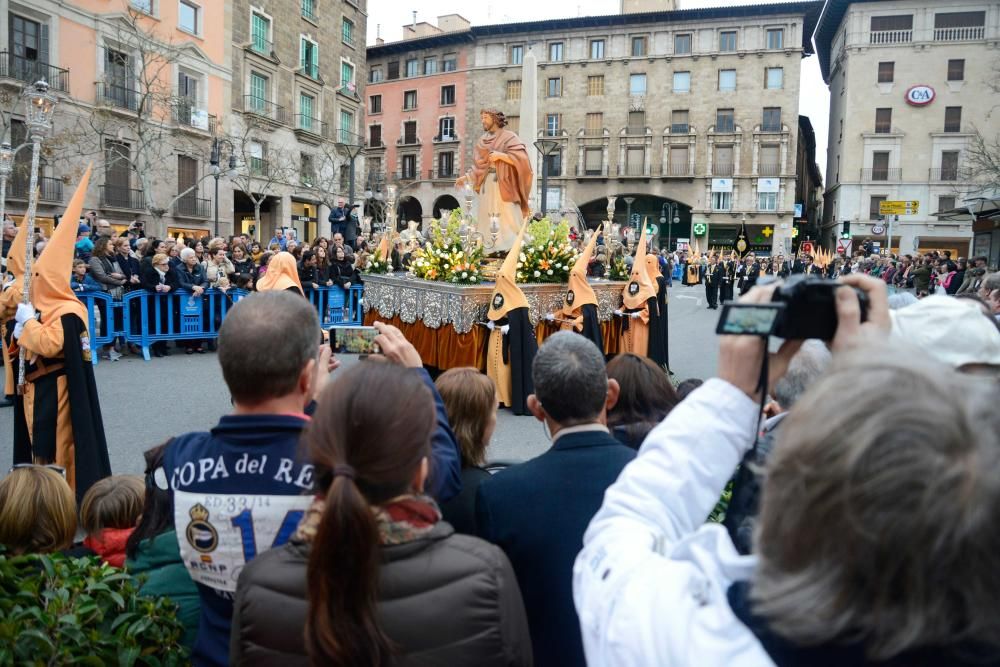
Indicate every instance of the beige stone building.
{"type": "Point", "coordinates": [907, 94]}
{"type": "Point", "coordinates": [692, 113]}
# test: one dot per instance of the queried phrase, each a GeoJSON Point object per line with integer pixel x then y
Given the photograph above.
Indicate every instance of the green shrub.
{"type": "Point", "coordinates": [56, 610]}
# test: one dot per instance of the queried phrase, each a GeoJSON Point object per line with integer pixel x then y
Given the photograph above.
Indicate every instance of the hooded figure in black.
{"type": "Point", "coordinates": [579, 310]}
{"type": "Point", "coordinates": [658, 326]}
{"type": "Point", "coordinates": [512, 344]}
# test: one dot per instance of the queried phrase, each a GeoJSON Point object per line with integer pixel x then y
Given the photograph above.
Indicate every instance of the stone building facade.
{"type": "Point", "coordinates": [908, 92]}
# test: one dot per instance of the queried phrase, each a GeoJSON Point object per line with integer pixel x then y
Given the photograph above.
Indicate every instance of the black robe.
{"type": "Point", "coordinates": [519, 349]}
{"type": "Point", "coordinates": [592, 325]}
{"type": "Point", "coordinates": [90, 446]}
{"type": "Point", "coordinates": [658, 327]}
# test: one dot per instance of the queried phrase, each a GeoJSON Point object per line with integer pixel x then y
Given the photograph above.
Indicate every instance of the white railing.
{"type": "Point", "coordinates": [959, 34]}
{"type": "Point", "coordinates": [891, 36]}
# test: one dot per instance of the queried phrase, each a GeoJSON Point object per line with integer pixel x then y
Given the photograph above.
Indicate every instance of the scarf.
{"type": "Point", "coordinates": [109, 544]}
{"type": "Point", "coordinates": [400, 520]}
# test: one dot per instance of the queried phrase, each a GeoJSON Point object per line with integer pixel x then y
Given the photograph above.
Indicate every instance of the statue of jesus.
{"type": "Point", "coordinates": [501, 174]}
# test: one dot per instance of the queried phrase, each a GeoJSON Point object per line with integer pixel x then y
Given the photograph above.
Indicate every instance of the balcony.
{"type": "Point", "coordinates": [768, 169]}
{"type": "Point", "coordinates": [444, 138]}
{"type": "Point", "coordinates": [946, 174]}
{"type": "Point", "coordinates": [375, 143]}
{"type": "Point", "coordinates": [305, 124]}
{"type": "Point", "coordinates": [679, 128]}
{"type": "Point", "coordinates": [408, 140]}
{"type": "Point", "coordinates": [121, 197]}
{"type": "Point", "coordinates": [262, 46]}
{"type": "Point", "coordinates": [347, 38]}
{"type": "Point", "coordinates": [723, 169]}
{"type": "Point", "coordinates": [964, 34]}
{"type": "Point", "coordinates": [310, 70]}
{"type": "Point", "coordinates": [260, 107]}
{"type": "Point", "coordinates": [890, 37]}
{"type": "Point", "coordinates": [188, 116]}
{"type": "Point", "coordinates": [192, 207]}
{"type": "Point", "coordinates": [770, 127]}
{"type": "Point", "coordinates": [349, 90]}
{"type": "Point", "coordinates": [443, 174]}
{"type": "Point", "coordinates": [678, 170]}
{"type": "Point", "coordinates": [25, 70]}
{"type": "Point", "coordinates": [879, 174]}
{"type": "Point", "coordinates": [406, 176]}
{"type": "Point", "coordinates": [632, 171]}
{"type": "Point", "coordinates": [583, 172]}
{"type": "Point", "coordinates": [118, 96]}
{"type": "Point", "coordinates": [635, 130]}
{"type": "Point", "coordinates": [259, 167]}
{"type": "Point", "coordinates": [49, 189]}
{"type": "Point", "coordinates": [725, 126]}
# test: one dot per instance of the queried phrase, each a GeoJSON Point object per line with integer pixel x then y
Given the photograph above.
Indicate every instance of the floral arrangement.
{"type": "Point", "coordinates": [547, 256]}
{"type": "Point", "coordinates": [377, 264]}
{"type": "Point", "coordinates": [618, 268]}
{"type": "Point", "coordinates": [445, 259]}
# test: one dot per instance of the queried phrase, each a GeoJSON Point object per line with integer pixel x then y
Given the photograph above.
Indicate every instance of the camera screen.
{"type": "Point", "coordinates": [355, 340]}
{"type": "Point", "coordinates": [748, 320]}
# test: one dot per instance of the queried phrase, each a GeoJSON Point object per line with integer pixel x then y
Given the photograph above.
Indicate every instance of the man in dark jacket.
{"type": "Point", "coordinates": [238, 489]}
{"type": "Point", "coordinates": [338, 218]}
{"type": "Point", "coordinates": [537, 511]}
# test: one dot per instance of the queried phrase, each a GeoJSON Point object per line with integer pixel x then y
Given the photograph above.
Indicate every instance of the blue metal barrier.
{"type": "Point", "coordinates": [143, 318]}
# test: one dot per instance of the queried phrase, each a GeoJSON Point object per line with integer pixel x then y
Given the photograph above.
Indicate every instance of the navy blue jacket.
{"type": "Point", "coordinates": [537, 513]}
{"type": "Point", "coordinates": [241, 489]}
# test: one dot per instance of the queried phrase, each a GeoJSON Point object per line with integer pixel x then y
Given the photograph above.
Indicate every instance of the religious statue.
{"type": "Point", "coordinates": [501, 174]}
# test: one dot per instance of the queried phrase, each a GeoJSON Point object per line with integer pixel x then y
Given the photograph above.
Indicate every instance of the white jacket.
{"type": "Point", "coordinates": [650, 584]}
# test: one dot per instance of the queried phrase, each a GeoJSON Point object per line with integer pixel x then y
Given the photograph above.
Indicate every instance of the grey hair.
{"type": "Point", "coordinates": [186, 253]}
{"type": "Point", "coordinates": [902, 300]}
{"type": "Point", "coordinates": [877, 522]}
{"type": "Point", "coordinates": [570, 379]}
{"type": "Point", "coordinates": [253, 368]}
{"type": "Point", "coordinates": [992, 281]}
{"type": "Point", "coordinates": [805, 369]}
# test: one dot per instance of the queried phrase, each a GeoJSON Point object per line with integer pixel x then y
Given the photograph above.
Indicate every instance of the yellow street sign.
{"type": "Point", "coordinates": [898, 207]}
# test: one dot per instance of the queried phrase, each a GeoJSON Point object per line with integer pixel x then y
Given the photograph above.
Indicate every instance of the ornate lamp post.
{"type": "Point", "coordinates": [38, 119]}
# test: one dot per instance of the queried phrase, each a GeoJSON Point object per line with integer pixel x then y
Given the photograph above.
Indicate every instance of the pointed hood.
{"type": "Point", "coordinates": [580, 293]}
{"type": "Point", "coordinates": [639, 288]}
{"type": "Point", "coordinates": [653, 268]}
{"type": "Point", "coordinates": [282, 273]}
{"type": "Point", "coordinates": [15, 267]}
{"type": "Point", "coordinates": [507, 295]}
{"type": "Point", "coordinates": [51, 293]}
{"type": "Point", "coordinates": [384, 249]}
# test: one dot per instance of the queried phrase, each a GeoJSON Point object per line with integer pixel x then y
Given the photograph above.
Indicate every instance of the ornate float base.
{"type": "Point", "coordinates": [440, 319]}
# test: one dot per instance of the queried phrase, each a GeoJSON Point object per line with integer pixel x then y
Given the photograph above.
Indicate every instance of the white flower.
{"type": "Point", "coordinates": [521, 257]}
{"type": "Point", "coordinates": [549, 272]}
{"type": "Point", "coordinates": [538, 273]}
{"type": "Point", "coordinates": [465, 274]}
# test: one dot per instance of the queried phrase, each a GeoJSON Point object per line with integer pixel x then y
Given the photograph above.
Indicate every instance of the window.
{"type": "Point", "coordinates": [775, 38]}
{"type": "Point", "coordinates": [430, 66]}
{"type": "Point", "coordinates": [727, 40]}
{"type": "Point", "coordinates": [682, 44]}
{"type": "Point", "coordinates": [446, 164]}
{"type": "Point", "coordinates": [144, 6]}
{"type": "Point", "coordinates": [309, 57]}
{"type": "Point", "coordinates": [306, 172]}
{"type": "Point", "coordinates": [393, 70]}
{"type": "Point", "coordinates": [409, 100]}
{"type": "Point", "coordinates": [774, 78]}
{"type": "Point", "coordinates": [682, 82]}
{"type": "Point", "coordinates": [679, 161]}
{"type": "Point", "coordinates": [767, 201]}
{"type": "Point", "coordinates": [596, 49]}
{"type": "Point", "coordinates": [309, 9]}
{"type": "Point", "coordinates": [949, 166]}
{"type": "Point", "coordinates": [412, 67]}
{"type": "Point", "coordinates": [886, 72]}
{"type": "Point", "coordinates": [516, 54]}
{"type": "Point", "coordinates": [374, 136]}
{"type": "Point", "coordinates": [553, 164]}
{"type": "Point", "coordinates": [594, 123]}
{"type": "Point", "coordinates": [449, 63]}
{"type": "Point", "coordinates": [722, 201]}
{"type": "Point", "coordinates": [260, 33]}
{"type": "Point", "coordinates": [725, 120]}
{"type": "Point", "coordinates": [375, 104]}
{"type": "Point", "coordinates": [188, 17]}
{"type": "Point", "coordinates": [258, 92]}
{"type": "Point", "coordinates": [637, 84]}
{"type": "Point", "coordinates": [514, 90]}
{"type": "Point", "coordinates": [771, 122]}
{"type": "Point", "coordinates": [447, 95]}
{"type": "Point", "coordinates": [593, 162]}
{"type": "Point", "coordinates": [636, 122]}
{"type": "Point", "coordinates": [346, 75]}
{"type": "Point", "coordinates": [446, 128]}
{"type": "Point", "coordinates": [946, 203]}
{"type": "Point", "coordinates": [679, 122]}
{"type": "Point", "coordinates": [770, 160]}
{"type": "Point", "coordinates": [727, 79]}
{"type": "Point", "coordinates": [873, 205]}
{"type": "Point", "coordinates": [555, 87]}
{"type": "Point", "coordinates": [514, 123]}
{"type": "Point", "coordinates": [258, 157]}
{"type": "Point", "coordinates": [955, 25]}
{"type": "Point", "coordinates": [552, 124]}
{"type": "Point", "coordinates": [409, 165]}
{"type": "Point", "coordinates": [953, 119]}
{"type": "Point", "coordinates": [595, 85]}
{"type": "Point", "coordinates": [306, 111]}
{"type": "Point", "coordinates": [555, 51]}
{"type": "Point", "coordinates": [956, 70]}
{"type": "Point", "coordinates": [374, 75]}
{"type": "Point", "coordinates": [346, 127]}
{"type": "Point", "coordinates": [883, 121]}
{"type": "Point", "coordinates": [410, 132]}
{"type": "Point", "coordinates": [638, 46]}
{"type": "Point", "coordinates": [891, 29]}
{"type": "Point", "coordinates": [347, 31]}
{"type": "Point", "coordinates": [880, 166]}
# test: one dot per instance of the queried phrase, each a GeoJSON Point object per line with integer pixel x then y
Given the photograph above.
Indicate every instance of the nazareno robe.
{"type": "Point", "coordinates": [509, 359]}
{"type": "Point", "coordinates": [658, 325]}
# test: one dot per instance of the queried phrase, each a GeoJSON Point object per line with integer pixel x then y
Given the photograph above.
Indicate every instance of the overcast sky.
{"type": "Point", "coordinates": [388, 17]}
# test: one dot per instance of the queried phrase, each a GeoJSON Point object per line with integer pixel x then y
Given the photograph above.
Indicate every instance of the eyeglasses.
{"type": "Point", "coordinates": [50, 466]}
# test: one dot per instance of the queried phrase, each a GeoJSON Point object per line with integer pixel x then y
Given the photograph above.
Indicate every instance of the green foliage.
{"type": "Point", "coordinates": [58, 611]}
{"type": "Point", "coordinates": [718, 514]}
{"type": "Point", "coordinates": [444, 259]}
{"type": "Point", "coordinates": [619, 269]}
{"type": "Point", "coordinates": [547, 256]}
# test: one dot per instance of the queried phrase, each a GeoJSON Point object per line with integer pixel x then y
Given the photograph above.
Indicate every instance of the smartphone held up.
{"type": "Point", "coordinates": [354, 340]}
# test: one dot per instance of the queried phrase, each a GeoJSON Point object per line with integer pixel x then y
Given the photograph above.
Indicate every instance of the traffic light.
{"type": "Point", "coordinates": [845, 232]}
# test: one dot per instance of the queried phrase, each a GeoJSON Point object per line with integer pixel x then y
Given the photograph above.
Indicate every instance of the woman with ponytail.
{"type": "Point", "coordinates": [373, 576]}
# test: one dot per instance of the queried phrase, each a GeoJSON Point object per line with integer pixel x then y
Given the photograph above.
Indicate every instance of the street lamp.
{"type": "Point", "coordinates": [217, 173]}
{"type": "Point", "coordinates": [628, 211]}
{"type": "Point", "coordinates": [548, 148]}
{"type": "Point", "coordinates": [353, 149]}
{"type": "Point", "coordinates": [38, 119]}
